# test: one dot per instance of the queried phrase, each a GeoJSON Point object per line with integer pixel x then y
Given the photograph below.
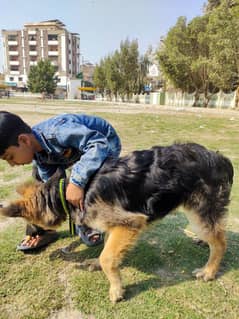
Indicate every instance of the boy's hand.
{"type": "Point", "coordinates": [75, 195]}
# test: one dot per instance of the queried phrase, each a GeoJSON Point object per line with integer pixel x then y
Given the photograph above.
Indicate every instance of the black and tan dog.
{"type": "Point", "coordinates": [129, 192]}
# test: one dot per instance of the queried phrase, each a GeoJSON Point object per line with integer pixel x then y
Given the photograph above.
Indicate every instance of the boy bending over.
{"type": "Point", "coordinates": [77, 140]}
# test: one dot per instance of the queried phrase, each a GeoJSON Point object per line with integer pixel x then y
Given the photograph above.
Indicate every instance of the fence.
{"type": "Point", "coordinates": [179, 99]}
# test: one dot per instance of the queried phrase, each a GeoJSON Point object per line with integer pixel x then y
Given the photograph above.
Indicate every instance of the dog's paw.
{"type": "Point", "coordinates": [204, 274]}
{"type": "Point", "coordinates": [90, 265]}
{"type": "Point", "coordinates": [116, 294]}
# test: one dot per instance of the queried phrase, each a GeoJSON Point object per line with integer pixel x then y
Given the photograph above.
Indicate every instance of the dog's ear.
{"type": "Point", "coordinates": [26, 188]}
{"type": "Point", "coordinates": [13, 210]}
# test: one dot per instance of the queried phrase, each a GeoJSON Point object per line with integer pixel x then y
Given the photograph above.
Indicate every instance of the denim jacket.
{"type": "Point", "coordinates": [74, 139]}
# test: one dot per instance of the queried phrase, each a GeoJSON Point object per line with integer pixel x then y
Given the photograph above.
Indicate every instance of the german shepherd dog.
{"type": "Point", "coordinates": [128, 193]}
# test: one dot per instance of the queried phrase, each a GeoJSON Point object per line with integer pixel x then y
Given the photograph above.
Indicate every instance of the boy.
{"type": "Point", "coordinates": [76, 140]}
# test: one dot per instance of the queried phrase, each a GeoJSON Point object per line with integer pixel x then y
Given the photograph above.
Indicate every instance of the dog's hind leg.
{"type": "Point", "coordinates": [214, 235]}
{"type": "Point", "coordinates": [120, 240]}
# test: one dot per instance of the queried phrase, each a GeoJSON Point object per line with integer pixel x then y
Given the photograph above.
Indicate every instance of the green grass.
{"type": "Point", "coordinates": [156, 273]}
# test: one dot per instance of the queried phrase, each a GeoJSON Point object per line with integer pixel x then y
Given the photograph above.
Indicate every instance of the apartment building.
{"type": "Point", "coordinates": [36, 41]}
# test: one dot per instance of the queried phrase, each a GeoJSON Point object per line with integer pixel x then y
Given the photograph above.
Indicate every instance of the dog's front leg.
{"type": "Point", "coordinates": [119, 241]}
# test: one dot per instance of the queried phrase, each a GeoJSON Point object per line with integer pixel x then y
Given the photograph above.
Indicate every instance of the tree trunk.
{"type": "Point", "coordinates": [196, 98]}
{"type": "Point", "coordinates": [237, 98]}
{"type": "Point", "coordinates": [207, 98]}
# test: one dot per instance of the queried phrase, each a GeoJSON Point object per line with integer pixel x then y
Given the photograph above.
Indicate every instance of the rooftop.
{"type": "Point", "coordinates": [56, 23]}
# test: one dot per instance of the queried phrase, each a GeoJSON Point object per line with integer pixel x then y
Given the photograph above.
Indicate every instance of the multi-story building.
{"type": "Point", "coordinates": [43, 40]}
{"type": "Point", "coordinates": [87, 70]}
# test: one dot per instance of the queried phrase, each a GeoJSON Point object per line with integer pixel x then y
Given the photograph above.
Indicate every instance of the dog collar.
{"type": "Point", "coordinates": [72, 227]}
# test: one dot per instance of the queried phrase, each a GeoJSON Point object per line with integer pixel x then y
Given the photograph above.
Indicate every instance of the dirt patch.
{"type": "Point", "coordinates": [69, 314]}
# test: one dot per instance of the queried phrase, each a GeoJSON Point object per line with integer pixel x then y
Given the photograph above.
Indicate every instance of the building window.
{"type": "Point", "coordinates": [32, 37]}
{"type": "Point", "coordinates": [32, 48]}
{"type": "Point", "coordinates": [11, 78]}
{"type": "Point", "coordinates": [12, 37]}
{"type": "Point", "coordinates": [13, 58]}
{"type": "Point", "coordinates": [53, 48]}
{"type": "Point", "coordinates": [33, 58]}
{"type": "Point", "coordinates": [52, 37]}
{"type": "Point", "coordinates": [20, 79]}
{"type": "Point", "coordinates": [12, 48]}
{"type": "Point", "coordinates": [14, 68]}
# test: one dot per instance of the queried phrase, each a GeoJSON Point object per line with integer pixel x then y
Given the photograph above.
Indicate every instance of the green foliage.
{"type": "Point", "coordinates": [174, 57]}
{"type": "Point", "coordinates": [212, 4]}
{"type": "Point", "coordinates": [202, 56]}
{"type": "Point", "coordinates": [100, 77]}
{"type": "Point", "coordinates": [41, 78]}
{"type": "Point", "coordinates": [123, 72]}
{"type": "Point", "coordinates": [184, 57]}
{"type": "Point", "coordinates": [223, 32]}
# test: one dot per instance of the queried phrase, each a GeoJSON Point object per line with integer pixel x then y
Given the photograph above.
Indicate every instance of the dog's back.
{"type": "Point", "coordinates": [156, 181]}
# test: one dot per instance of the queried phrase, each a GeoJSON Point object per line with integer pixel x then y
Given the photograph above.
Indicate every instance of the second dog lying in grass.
{"type": "Point", "coordinates": [129, 192]}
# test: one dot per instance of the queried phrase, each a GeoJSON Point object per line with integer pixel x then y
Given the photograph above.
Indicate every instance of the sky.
{"type": "Point", "coordinates": [102, 24]}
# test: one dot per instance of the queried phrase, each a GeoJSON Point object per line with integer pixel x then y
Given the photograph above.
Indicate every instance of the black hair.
{"type": "Point", "coordinates": [11, 126]}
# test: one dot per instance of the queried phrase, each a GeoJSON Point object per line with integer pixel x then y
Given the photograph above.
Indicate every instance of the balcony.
{"type": "Point", "coordinates": [14, 62]}
{"type": "Point", "coordinates": [53, 42]}
{"type": "Point", "coordinates": [33, 63]}
{"type": "Point", "coordinates": [12, 42]}
{"type": "Point", "coordinates": [32, 42]}
{"type": "Point", "coordinates": [13, 53]}
{"type": "Point", "coordinates": [33, 53]}
{"type": "Point", "coordinates": [53, 53]}
{"type": "Point", "coordinates": [32, 32]}
{"type": "Point", "coordinates": [14, 72]}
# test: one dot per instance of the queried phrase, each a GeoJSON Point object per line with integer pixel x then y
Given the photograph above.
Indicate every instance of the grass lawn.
{"type": "Point", "coordinates": [156, 273]}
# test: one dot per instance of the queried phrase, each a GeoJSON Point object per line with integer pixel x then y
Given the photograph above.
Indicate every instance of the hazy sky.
{"type": "Point", "coordinates": [102, 24]}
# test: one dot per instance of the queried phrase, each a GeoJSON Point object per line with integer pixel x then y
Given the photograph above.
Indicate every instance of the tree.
{"type": "Point", "coordinates": [211, 5]}
{"type": "Point", "coordinates": [214, 4]}
{"type": "Point", "coordinates": [173, 56]}
{"type": "Point", "coordinates": [118, 73]}
{"type": "Point", "coordinates": [128, 67]}
{"type": "Point", "coordinates": [184, 58]}
{"type": "Point", "coordinates": [223, 30]}
{"type": "Point", "coordinates": [42, 79]}
{"type": "Point", "coordinates": [100, 77]}
{"type": "Point", "coordinates": [113, 75]}
{"type": "Point", "coordinates": [201, 61]}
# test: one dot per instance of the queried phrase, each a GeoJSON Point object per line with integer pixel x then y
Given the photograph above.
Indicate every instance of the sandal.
{"type": "Point", "coordinates": [90, 237]}
{"type": "Point", "coordinates": [36, 242]}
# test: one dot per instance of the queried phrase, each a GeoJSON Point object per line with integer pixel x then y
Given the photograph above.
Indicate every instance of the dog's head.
{"type": "Point", "coordinates": [40, 204]}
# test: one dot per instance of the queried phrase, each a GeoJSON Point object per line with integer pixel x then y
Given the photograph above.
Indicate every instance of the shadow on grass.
{"type": "Point", "coordinates": [163, 253]}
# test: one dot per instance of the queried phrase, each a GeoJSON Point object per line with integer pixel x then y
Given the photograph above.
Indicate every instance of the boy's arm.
{"type": "Point", "coordinates": [94, 148]}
